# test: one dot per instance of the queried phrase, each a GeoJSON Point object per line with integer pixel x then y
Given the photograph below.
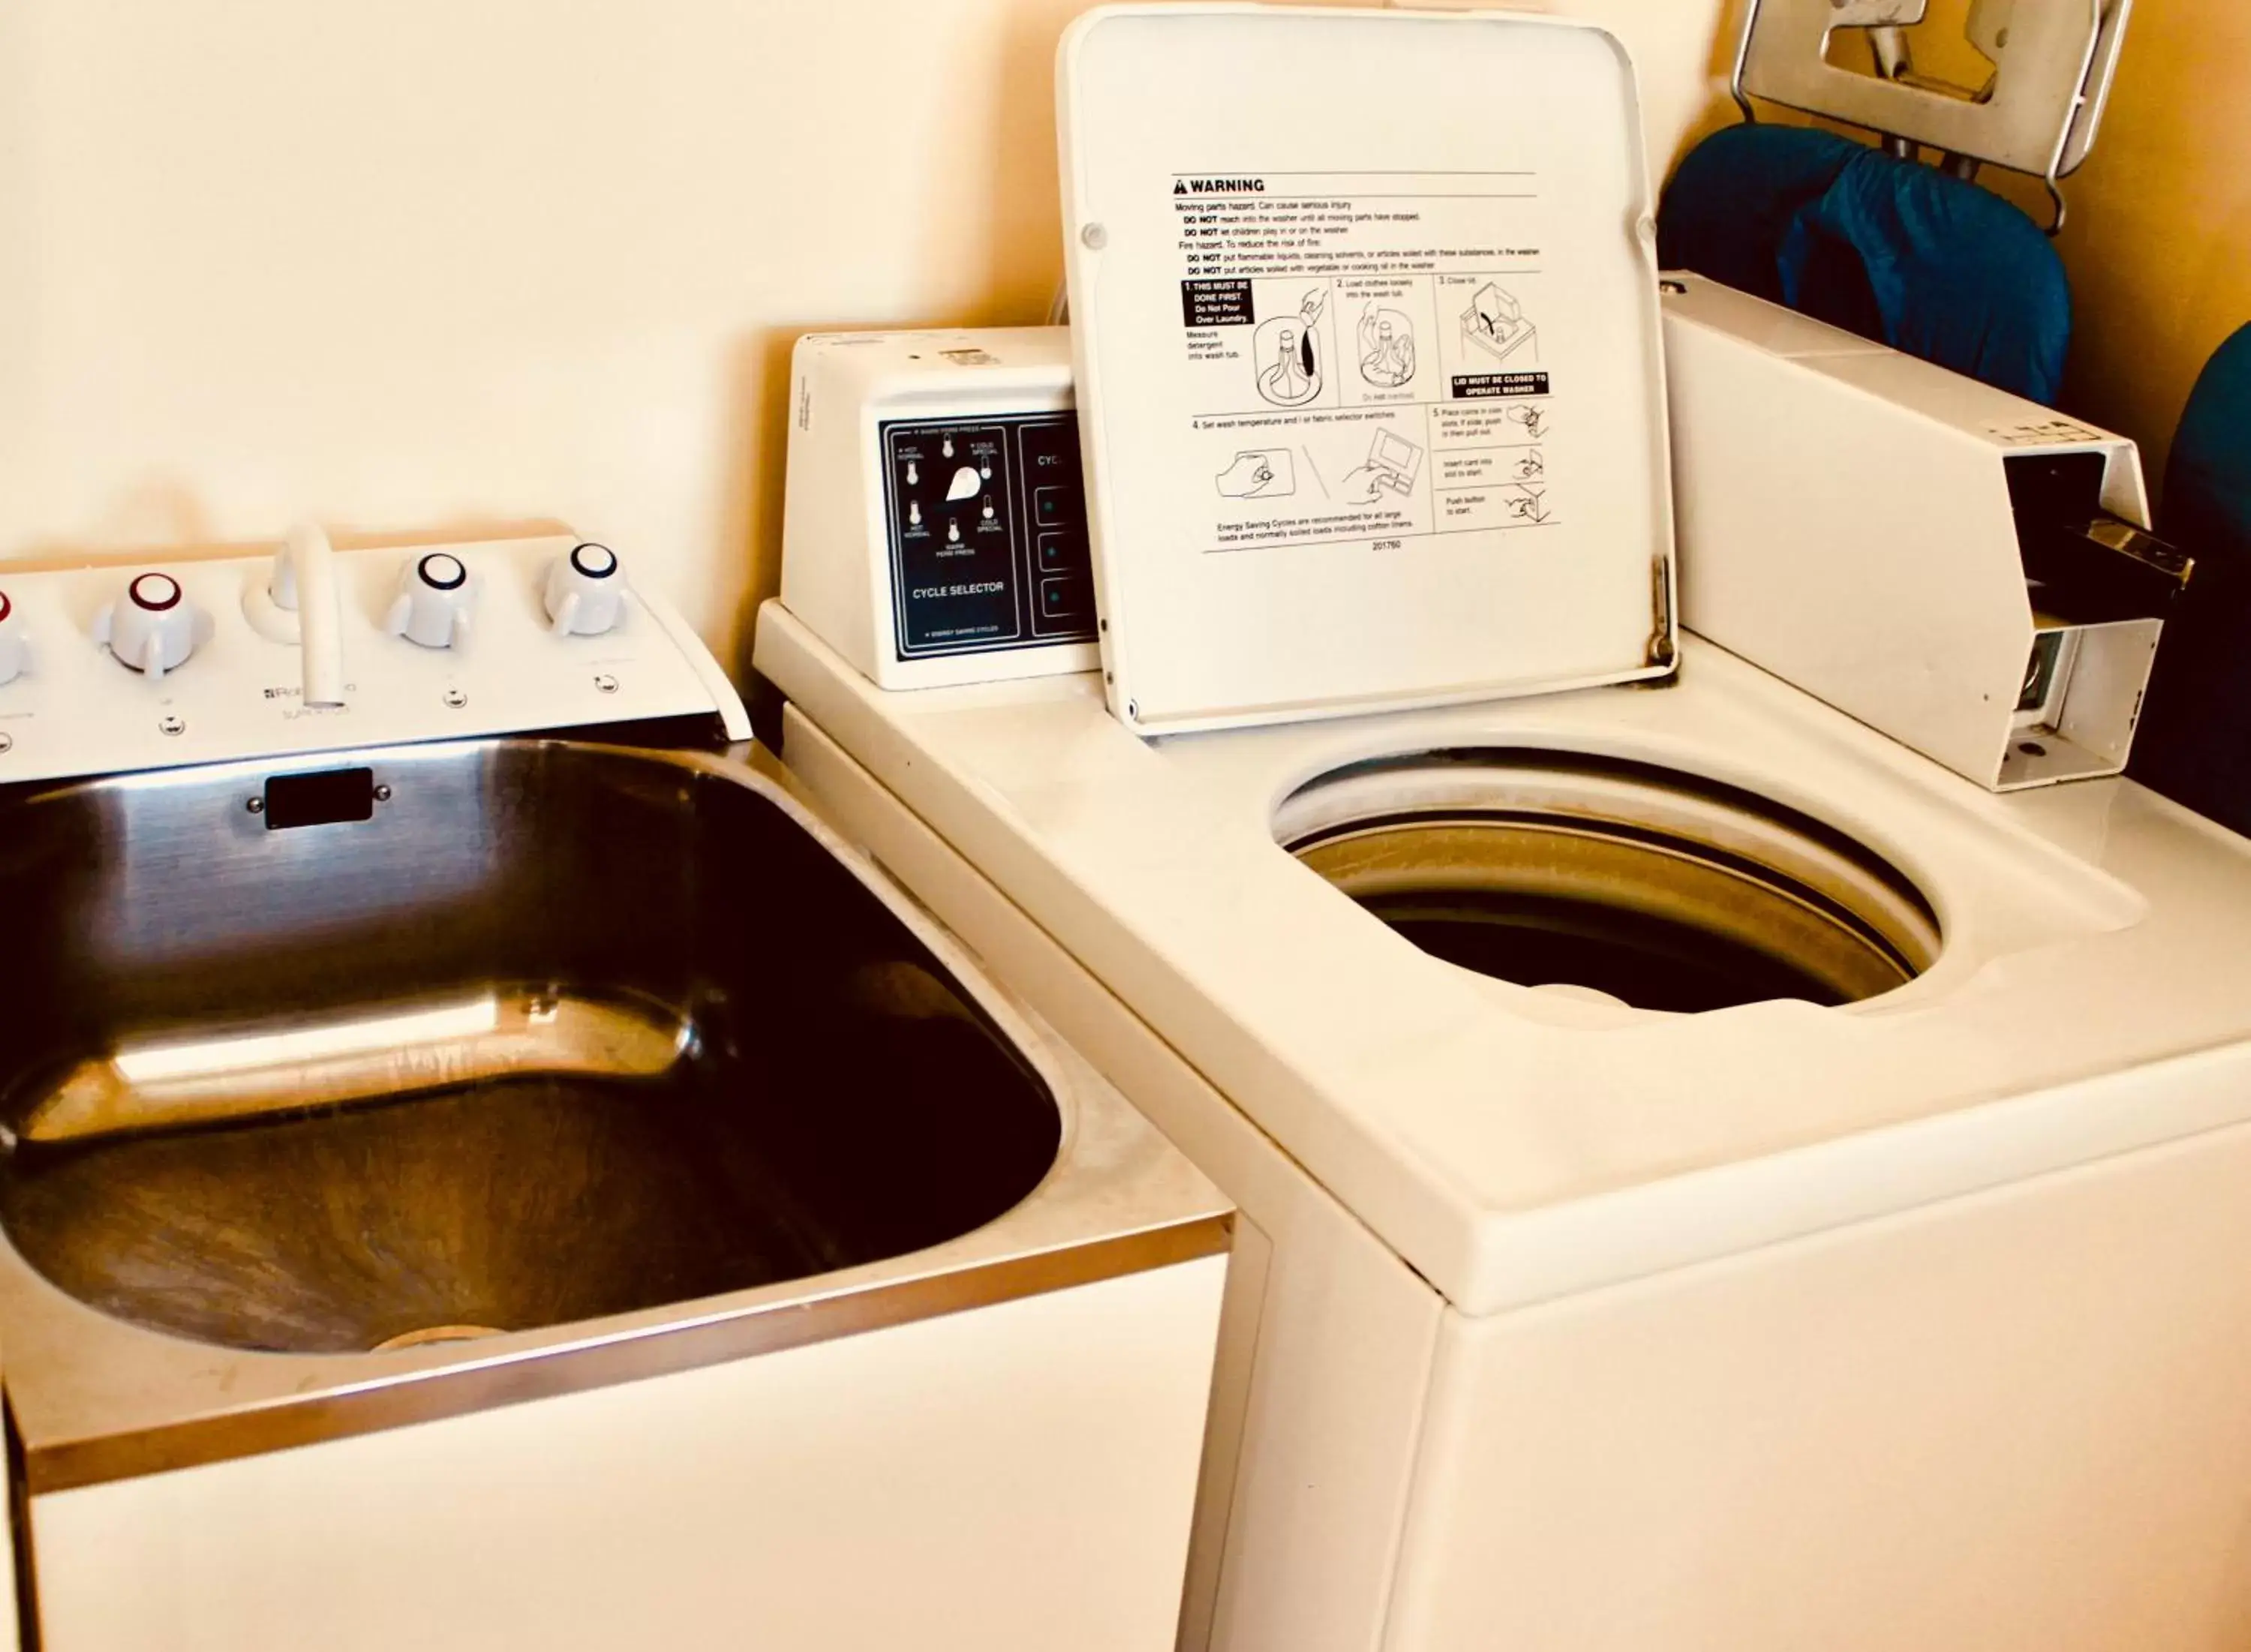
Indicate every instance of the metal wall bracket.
{"type": "Point", "coordinates": [2036, 112]}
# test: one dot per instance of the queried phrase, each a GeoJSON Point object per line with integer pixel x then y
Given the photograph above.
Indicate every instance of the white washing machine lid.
{"type": "Point", "coordinates": [1370, 378]}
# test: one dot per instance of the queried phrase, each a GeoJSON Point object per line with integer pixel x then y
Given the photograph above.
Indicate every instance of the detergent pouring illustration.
{"type": "Point", "coordinates": [1288, 356]}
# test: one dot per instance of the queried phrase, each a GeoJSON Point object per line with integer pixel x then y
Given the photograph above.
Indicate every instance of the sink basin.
{"type": "Point", "coordinates": [394, 1086]}
{"type": "Point", "coordinates": [557, 1032]}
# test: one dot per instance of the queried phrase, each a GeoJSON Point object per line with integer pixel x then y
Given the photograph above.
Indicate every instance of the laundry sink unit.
{"type": "Point", "coordinates": [550, 1190]}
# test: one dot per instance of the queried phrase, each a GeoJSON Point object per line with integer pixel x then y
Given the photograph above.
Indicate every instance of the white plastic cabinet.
{"type": "Point", "coordinates": [922, 1485]}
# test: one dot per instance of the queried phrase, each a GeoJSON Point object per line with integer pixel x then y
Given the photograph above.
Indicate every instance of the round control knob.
{"type": "Point", "coordinates": [433, 604]}
{"type": "Point", "coordinates": [153, 627]}
{"type": "Point", "coordinates": [585, 591]}
{"type": "Point", "coordinates": [12, 652]}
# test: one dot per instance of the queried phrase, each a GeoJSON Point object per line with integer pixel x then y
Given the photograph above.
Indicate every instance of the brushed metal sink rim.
{"type": "Point", "coordinates": [94, 1398]}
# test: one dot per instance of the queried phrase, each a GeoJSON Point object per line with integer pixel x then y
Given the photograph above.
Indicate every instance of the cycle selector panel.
{"type": "Point", "coordinates": [986, 523]}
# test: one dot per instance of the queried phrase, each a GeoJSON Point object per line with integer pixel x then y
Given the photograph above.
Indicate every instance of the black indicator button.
{"type": "Point", "coordinates": [1055, 554]}
{"type": "Point", "coordinates": [1047, 507]}
{"type": "Point", "coordinates": [1062, 598]}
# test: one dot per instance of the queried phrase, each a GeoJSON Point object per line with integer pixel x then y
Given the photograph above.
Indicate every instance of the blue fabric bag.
{"type": "Point", "coordinates": [2194, 742]}
{"type": "Point", "coordinates": [1892, 250]}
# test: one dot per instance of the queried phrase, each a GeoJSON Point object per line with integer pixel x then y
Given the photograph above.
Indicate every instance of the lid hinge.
{"type": "Point", "coordinates": [1661, 651]}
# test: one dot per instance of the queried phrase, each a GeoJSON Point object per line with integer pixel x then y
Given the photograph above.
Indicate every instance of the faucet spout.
{"type": "Point", "coordinates": [305, 581]}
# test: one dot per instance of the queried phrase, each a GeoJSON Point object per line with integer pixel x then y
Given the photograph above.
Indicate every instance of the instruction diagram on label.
{"type": "Point", "coordinates": [1266, 474]}
{"type": "Point", "coordinates": [1365, 358]}
{"type": "Point", "coordinates": [1288, 356]}
{"type": "Point", "coordinates": [1387, 347]}
{"type": "Point", "coordinates": [1525, 504]}
{"type": "Point", "coordinates": [1392, 465]}
{"type": "Point", "coordinates": [1494, 323]}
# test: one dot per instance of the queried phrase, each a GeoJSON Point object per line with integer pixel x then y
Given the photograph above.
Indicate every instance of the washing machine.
{"type": "Point", "coordinates": [1738, 1146]}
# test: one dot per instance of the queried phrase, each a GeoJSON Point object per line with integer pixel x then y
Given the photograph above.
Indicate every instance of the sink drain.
{"type": "Point", "coordinates": [429, 1334]}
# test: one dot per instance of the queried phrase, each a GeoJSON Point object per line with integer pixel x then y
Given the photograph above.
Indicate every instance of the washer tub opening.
{"type": "Point", "coordinates": [1660, 890]}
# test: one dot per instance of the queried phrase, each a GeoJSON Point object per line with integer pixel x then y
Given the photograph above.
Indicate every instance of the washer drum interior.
{"type": "Point", "coordinates": [1658, 890]}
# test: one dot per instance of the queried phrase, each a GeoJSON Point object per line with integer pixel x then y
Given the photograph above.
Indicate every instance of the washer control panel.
{"type": "Point", "coordinates": [934, 527]}
{"type": "Point", "coordinates": [987, 520]}
{"type": "Point", "coordinates": [107, 670]}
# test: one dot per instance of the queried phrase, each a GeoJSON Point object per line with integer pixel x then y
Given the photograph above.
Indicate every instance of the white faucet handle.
{"type": "Point", "coordinates": [152, 627]}
{"type": "Point", "coordinates": [433, 605]}
{"type": "Point", "coordinates": [585, 591]}
{"type": "Point", "coordinates": [15, 654]}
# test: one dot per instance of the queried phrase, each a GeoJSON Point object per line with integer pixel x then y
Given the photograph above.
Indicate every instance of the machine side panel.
{"type": "Point", "coordinates": [2013, 1420]}
{"type": "Point", "coordinates": [829, 573]}
{"type": "Point", "coordinates": [1999, 418]}
{"type": "Point", "coordinates": [1321, 1380]}
{"type": "Point", "coordinates": [1858, 551]}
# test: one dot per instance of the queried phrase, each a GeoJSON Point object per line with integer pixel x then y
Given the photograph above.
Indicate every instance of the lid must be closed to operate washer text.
{"type": "Point", "coordinates": [1369, 370]}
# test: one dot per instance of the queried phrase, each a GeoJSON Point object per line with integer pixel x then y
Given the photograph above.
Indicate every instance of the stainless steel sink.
{"type": "Point", "coordinates": [486, 1070]}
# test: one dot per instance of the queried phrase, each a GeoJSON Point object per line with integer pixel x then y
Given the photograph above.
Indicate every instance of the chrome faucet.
{"type": "Point", "coordinates": [305, 584]}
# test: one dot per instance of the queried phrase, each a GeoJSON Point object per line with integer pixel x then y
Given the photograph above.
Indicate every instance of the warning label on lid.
{"type": "Point", "coordinates": [1368, 355]}
{"type": "Point", "coordinates": [1216, 304]}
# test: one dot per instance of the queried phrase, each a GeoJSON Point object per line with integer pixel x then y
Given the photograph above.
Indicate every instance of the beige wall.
{"type": "Point", "coordinates": [2158, 242]}
{"type": "Point", "coordinates": [422, 262]}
